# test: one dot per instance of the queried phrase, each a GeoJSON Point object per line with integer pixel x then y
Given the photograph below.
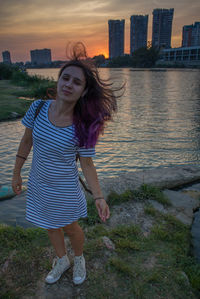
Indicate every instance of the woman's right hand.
{"type": "Point", "coordinates": [17, 183]}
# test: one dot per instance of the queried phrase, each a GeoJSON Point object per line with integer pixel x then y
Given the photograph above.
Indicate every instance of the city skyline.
{"type": "Point", "coordinates": [27, 26]}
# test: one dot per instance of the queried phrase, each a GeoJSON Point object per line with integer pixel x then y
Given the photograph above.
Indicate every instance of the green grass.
{"type": "Point", "coordinates": [144, 267]}
{"type": "Point", "coordinates": [22, 260]}
{"type": "Point", "coordinates": [155, 266]}
{"type": "Point", "coordinates": [13, 91]}
{"type": "Point", "coordinates": [145, 192]}
{"type": "Point", "coordinates": [10, 102]}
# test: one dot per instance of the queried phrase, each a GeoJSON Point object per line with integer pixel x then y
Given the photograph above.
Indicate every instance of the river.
{"type": "Point", "coordinates": [157, 124]}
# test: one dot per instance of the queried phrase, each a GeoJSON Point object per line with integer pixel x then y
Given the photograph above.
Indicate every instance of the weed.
{"type": "Point", "coordinates": [125, 244]}
{"type": "Point", "coordinates": [152, 192]}
{"type": "Point", "coordinates": [121, 266]}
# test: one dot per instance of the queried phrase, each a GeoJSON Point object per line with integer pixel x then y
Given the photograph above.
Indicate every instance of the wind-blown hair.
{"type": "Point", "coordinates": [93, 110]}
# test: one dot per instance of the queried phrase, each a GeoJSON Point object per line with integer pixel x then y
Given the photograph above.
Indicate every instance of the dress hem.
{"type": "Point", "coordinates": [40, 226]}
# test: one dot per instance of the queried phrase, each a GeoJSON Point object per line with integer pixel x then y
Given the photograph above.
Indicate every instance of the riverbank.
{"type": "Point", "coordinates": [17, 87]}
{"type": "Point", "coordinates": [143, 251]}
{"type": "Point", "coordinates": [12, 106]}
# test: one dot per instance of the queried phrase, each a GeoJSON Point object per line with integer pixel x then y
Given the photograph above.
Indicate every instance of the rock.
{"type": "Point", "coordinates": [108, 243]}
{"type": "Point", "coordinates": [195, 231]}
{"type": "Point", "coordinates": [194, 194]}
{"type": "Point", "coordinates": [158, 206]}
{"type": "Point", "coordinates": [162, 177]}
{"type": "Point", "coordinates": [130, 213]}
{"type": "Point", "coordinates": [194, 187]}
{"type": "Point", "coordinates": [183, 205]}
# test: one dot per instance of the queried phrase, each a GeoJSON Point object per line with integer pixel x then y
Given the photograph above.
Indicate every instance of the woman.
{"type": "Point", "coordinates": [63, 128]}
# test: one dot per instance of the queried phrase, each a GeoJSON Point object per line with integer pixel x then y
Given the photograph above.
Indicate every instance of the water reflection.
{"type": "Point", "coordinates": [157, 124]}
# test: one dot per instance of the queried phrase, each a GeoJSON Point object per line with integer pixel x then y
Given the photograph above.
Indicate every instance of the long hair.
{"type": "Point", "coordinates": [92, 111]}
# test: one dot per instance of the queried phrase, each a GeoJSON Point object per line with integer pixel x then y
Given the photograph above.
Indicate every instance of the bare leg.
{"type": "Point", "coordinates": [76, 235]}
{"type": "Point", "coordinates": [56, 237]}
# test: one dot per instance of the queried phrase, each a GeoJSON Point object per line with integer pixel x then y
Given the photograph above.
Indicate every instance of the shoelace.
{"type": "Point", "coordinates": [55, 271]}
{"type": "Point", "coordinates": [78, 269]}
{"type": "Point", "coordinates": [54, 261]}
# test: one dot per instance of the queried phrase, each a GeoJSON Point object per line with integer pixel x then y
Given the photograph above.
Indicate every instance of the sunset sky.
{"type": "Point", "coordinates": [36, 24]}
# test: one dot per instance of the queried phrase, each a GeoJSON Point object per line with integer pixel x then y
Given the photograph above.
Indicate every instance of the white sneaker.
{"type": "Point", "coordinates": [79, 271]}
{"type": "Point", "coordinates": [60, 265]}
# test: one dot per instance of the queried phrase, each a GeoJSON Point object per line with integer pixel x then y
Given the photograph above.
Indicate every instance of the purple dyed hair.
{"type": "Point", "coordinates": [97, 106]}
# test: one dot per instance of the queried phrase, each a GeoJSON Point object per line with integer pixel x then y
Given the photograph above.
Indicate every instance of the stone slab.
{"type": "Point", "coordinates": [162, 177]}
{"type": "Point", "coordinates": [183, 205]}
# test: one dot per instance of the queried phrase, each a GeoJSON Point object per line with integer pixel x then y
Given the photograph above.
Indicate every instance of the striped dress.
{"type": "Point", "coordinates": [54, 195]}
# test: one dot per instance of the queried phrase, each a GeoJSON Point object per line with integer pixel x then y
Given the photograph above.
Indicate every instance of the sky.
{"type": "Point", "coordinates": [36, 24]}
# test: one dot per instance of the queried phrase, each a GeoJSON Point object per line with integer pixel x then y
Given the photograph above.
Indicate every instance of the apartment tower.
{"type": "Point", "coordinates": [138, 32]}
{"type": "Point", "coordinates": [116, 38]}
{"type": "Point", "coordinates": [162, 27]}
{"type": "Point", "coordinates": [191, 35]}
{"type": "Point", "coordinates": [42, 56]}
{"type": "Point", "coordinates": [6, 57]}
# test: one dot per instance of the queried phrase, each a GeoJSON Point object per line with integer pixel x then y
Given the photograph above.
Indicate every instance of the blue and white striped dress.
{"type": "Point", "coordinates": [54, 196]}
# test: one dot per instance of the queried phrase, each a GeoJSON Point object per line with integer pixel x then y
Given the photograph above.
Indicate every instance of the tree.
{"type": "Point", "coordinates": [145, 57]}
{"type": "Point", "coordinates": [99, 59]}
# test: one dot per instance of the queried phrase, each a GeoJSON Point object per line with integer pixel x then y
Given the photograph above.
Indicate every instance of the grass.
{"type": "Point", "coordinates": [22, 260]}
{"type": "Point", "coordinates": [14, 95]}
{"type": "Point", "coordinates": [157, 265]}
{"type": "Point", "coordinates": [145, 192]}
{"type": "Point", "coordinates": [10, 102]}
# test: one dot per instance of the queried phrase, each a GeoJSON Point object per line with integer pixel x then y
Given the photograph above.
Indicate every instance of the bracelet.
{"type": "Point", "coordinates": [98, 198]}
{"type": "Point", "coordinates": [18, 156]}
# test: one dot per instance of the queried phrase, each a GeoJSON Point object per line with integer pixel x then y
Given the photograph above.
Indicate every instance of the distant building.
{"type": "Point", "coordinates": [6, 57]}
{"type": "Point", "coordinates": [138, 32]}
{"type": "Point", "coordinates": [40, 57]}
{"type": "Point", "coordinates": [162, 27]}
{"type": "Point", "coordinates": [116, 38]}
{"type": "Point", "coordinates": [191, 35]}
{"type": "Point", "coordinates": [187, 56]}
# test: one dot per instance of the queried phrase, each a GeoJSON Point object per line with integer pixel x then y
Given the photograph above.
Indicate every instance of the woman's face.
{"type": "Point", "coordinates": [71, 84]}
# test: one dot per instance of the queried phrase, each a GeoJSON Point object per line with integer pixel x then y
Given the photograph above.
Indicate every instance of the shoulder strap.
{"type": "Point", "coordinates": [39, 108]}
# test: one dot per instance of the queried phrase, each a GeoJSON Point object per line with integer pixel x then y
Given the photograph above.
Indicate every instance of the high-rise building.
{"type": "Point", "coordinates": [116, 38]}
{"type": "Point", "coordinates": [191, 35]}
{"type": "Point", "coordinates": [138, 32]}
{"type": "Point", "coordinates": [162, 27]}
{"type": "Point", "coordinates": [39, 57]}
{"type": "Point", "coordinates": [6, 57]}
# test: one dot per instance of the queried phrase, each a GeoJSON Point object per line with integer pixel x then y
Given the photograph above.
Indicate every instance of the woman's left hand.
{"type": "Point", "coordinates": [103, 209]}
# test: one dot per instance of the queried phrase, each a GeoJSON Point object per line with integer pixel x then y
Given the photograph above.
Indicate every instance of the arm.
{"type": "Point", "coordinates": [23, 151]}
{"type": "Point", "coordinates": [90, 174]}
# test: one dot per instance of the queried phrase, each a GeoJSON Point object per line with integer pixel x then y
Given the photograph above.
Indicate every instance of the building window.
{"type": "Point", "coordinates": [194, 51]}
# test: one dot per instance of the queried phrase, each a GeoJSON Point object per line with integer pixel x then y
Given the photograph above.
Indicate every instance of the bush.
{"type": "Point", "coordinates": [6, 71]}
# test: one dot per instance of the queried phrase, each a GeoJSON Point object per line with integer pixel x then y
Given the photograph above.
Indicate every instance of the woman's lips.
{"type": "Point", "coordinates": [67, 92]}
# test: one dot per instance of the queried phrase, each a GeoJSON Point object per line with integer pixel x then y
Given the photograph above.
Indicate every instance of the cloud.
{"type": "Point", "coordinates": [48, 22]}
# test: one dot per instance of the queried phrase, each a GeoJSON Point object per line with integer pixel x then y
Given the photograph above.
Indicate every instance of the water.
{"type": "Point", "coordinates": [157, 124]}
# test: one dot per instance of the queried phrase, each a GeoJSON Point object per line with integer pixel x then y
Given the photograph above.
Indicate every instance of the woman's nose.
{"type": "Point", "coordinates": [68, 83]}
